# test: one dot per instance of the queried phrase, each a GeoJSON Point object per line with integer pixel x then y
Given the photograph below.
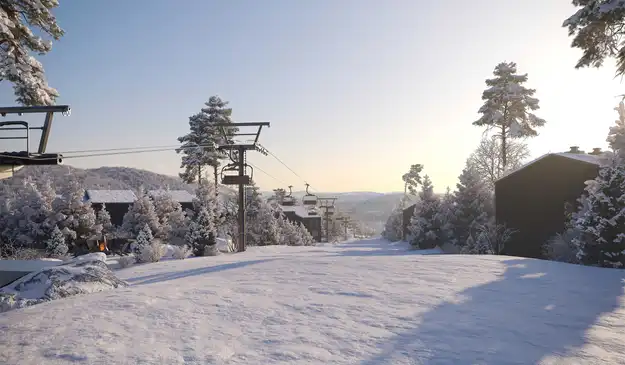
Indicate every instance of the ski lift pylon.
{"type": "Point", "coordinates": [309, 199]}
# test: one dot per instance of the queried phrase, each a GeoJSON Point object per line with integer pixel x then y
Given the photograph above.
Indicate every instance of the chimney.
{"type": "Point", "coordinates": [595, 151]}
{"type": "Point", "coordinates": [574, 149]}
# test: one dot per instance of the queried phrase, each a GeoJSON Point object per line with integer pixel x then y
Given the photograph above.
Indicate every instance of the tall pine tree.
{"type": "Point", "coordinates": [508, 107]}
{"type": "Point", "coordinates": [199, 146]}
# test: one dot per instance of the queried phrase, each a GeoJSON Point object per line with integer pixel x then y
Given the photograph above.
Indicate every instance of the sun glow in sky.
{"type": "Point", "coordinates": [356, 90]}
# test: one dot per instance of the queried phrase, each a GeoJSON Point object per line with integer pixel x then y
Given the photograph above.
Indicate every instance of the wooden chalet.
{"type": "Point", "coordinates": [309, 217]}
{"type": "Point", "coordinates": [117, 202]}
{"type": "Point", "coordinates": [531, 199]}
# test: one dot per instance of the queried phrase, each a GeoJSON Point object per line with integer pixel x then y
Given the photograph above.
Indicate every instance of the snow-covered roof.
{"type": "Point", "coordinates": [300, 211]}
{"type": "Point", "coordinates": [181, 196]}
{"type": "Point", "coordinates": [110, 196]}
{"type": "Point", "coordinates": [583, 157]}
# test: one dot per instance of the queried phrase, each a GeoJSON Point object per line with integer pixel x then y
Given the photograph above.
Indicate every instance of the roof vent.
{"type": "Point", "coordinates": [595, 151]}
{"type": "Point", "coordinates": [575, 149]}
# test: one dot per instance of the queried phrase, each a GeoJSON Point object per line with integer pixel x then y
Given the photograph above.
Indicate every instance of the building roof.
{"type": "Point", "coordinates": [300, 211]}
{"type": "Point", "coordinates": [582, 157]}
{"type": "Point", "coordinates": [181, 196]}
{"type": "Point", "coordinates": [110, 196]}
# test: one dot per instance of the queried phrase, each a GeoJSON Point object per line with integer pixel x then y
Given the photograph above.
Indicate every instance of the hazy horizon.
{"type": "Point", "coordinates": [356, 91]}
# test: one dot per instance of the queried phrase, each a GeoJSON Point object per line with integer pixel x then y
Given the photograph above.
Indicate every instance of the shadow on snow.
{"type": "Point", "coordinates": [538, 308]}
{"type": "Point", "coordinates": [167, 276]}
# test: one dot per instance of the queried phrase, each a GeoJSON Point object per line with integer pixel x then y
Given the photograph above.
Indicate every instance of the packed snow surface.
{"type": "Point", "coordinates": [364, 302]}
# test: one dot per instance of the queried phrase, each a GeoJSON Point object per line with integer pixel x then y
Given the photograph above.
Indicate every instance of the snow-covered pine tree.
{"type": "Point", "coordinates": [597, 28]}
{"type": "Point", "coordinates": [264, 228]}
{"type": "Point", "coordinates": [393, 230]}
{"type": "Point", "coordinates": [288, 233]}
{"type": "Point", "coordinates": [34, 218]}
{"type": "Point", "coordinates": [304, 236]}
{"type": "Point", "coordinates": [474, 206]}
{"type": "Point", "coordinates": [142, 242]}
{"type": "Point", "coordinates": [199, 146]}
{"type": "Point", "coordinates": [253, 201]}
{"type": "Point", "coordinates": [602, 226]}
{"type": "Point", "coordinates": [508, 108]}
{"type": "Point", "coordinates": [78, 218]}
{"type": "Point", "coordinates": [140, 213]}
{"type": "Point", "coordinates": [18, 66]}
{"type": "Point", "coordinates": [55, 245]}
{"type": "Point", "coordinates": [424, 227]}
{"type": "Point", "coordinates": [600, 219]}
{"type": "Point", "coordinates": [103, 218]}
{"type": "Point", "coordinates": [165, 207]}
{"type": "Point", "coordinates": [201, 234]}
{"type": "Point", "coordinates": [446, 218]}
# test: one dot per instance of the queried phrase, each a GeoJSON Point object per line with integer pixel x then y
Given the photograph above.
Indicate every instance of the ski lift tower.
{"type": "Point", "coordinates": [237, 152]}
{"type": "Point", "coordinates": [11, 161]}
{"type": "Point", "coordinates": [327, 204]}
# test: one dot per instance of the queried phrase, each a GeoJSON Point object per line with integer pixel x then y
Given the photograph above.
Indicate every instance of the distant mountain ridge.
{"type": "Point", "coordinates": [105, 178]}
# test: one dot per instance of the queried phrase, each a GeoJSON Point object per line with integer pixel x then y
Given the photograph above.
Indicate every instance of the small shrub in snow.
{"type": "Point", "coordinates": [211, 250]}
{"type": "Point", "coordinates": [490, 240]}
{"type": "Point", "coordinates": [126, 261]}
{"type": "Point", "coordinates": [152, 252]}
{"type": "Point", "coordinates": [561, 248]}
{"type": "Point", "coordinates": [181, 252]}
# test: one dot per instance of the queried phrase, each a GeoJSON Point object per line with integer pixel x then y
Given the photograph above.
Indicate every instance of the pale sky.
{"type": "Point", "coordinates": [356, 90]}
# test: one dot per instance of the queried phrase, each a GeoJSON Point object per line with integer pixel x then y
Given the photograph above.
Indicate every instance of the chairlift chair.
{"type": "Point", "coordinates": [309, 199]}
{"type": "Point", "coordinates": [230, 175]}
{"type": "Point", "coordinates": [288, 200]}
{"type": "Point", "coordinates": [11, 162]}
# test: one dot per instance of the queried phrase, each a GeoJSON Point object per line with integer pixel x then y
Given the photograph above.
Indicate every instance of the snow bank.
{"type": "Point", "coordinates": [364, 302]}
{"type": "Point", "coordinates": [81, 275]}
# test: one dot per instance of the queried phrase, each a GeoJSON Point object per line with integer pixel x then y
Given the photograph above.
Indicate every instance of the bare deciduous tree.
{"type": "Point", "coordinates": [487, 158]}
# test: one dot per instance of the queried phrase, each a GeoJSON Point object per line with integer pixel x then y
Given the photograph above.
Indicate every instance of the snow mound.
{"type": "Point", "coordinates": [81, 275]}
{"type": "Point", "coordinates": [365, 302]}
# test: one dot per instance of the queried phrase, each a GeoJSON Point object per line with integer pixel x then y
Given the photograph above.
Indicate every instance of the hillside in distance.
{"type": "Point", "coordinates": [113, 178]}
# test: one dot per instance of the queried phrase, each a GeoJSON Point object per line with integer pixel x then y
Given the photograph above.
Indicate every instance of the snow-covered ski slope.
{"type": "Point", "coordinates": [365, 302]}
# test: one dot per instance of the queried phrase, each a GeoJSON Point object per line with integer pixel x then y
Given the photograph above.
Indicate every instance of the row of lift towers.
{"type": "Point", "coordinates": [11, 161]}
{"type": "Point", "coordinates": [236, 173]}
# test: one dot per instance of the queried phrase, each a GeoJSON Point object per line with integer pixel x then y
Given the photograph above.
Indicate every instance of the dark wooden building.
{"type": "Point", "coordinates": [310, 218]}
{"type": "Point", "coordinates": [407, 215]}
{"type": "Point", "coordinates": [117, 202]}
{"type": "Point", "coordinates": [531, 199]}
{"type": "Point", "coordinates": [183, 197]}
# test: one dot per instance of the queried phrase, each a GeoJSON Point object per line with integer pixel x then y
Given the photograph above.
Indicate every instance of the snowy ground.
{"type": "Point", "coordinates": [359, 303]}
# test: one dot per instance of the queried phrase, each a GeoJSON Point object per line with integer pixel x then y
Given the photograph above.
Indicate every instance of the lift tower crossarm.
{"type": "Point", "coordinates": [239, 161]}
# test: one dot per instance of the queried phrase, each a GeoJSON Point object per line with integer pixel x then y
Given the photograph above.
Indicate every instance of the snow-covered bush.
{"type": "Point", "coordinates": [125, 261]}
{"type": "Point", "coordinates": [561, 248]}
{"type": "Point", "coordinates": [152, 252]}
{"type": "Point", "coordinates": [181, 252]}
{"type": "Point", "coordinates": [490, 239]}
{"type": "Point", "coordinates": [56, 246]}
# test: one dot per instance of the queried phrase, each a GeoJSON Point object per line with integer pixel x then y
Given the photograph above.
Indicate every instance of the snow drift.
{"type": "Point", "coordinates": [81, 275]}
{"type": "Point", "coordinates": [360, 303]}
